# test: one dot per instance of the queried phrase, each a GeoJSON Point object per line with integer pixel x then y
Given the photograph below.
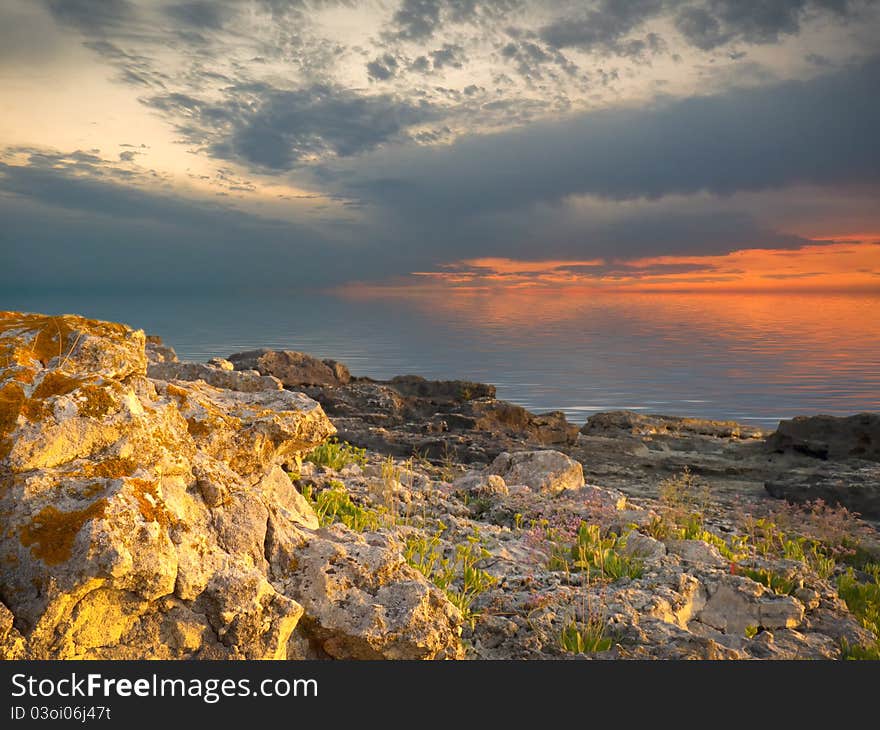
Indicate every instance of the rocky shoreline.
{"type": "Point", "coordinates": [272, 505]}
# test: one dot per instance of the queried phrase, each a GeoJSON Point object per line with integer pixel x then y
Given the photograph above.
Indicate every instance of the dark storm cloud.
{"type": "Point", "coordinates": [418, 20]}
{"type": "Point", "coordinates": [92, 16]}
{"type": "Point", "coordinates": [277, 129]}
{"type": "Point", "coordinates": [717, 22]}
{"type": "Point", "coordinates": [382, 68]}
{"type": "Point", "coordinates": [602, 26]}
{"type": "Point", "coordinates": [199, 13]}
{"type": "Point", "coordinates": [822, 131]}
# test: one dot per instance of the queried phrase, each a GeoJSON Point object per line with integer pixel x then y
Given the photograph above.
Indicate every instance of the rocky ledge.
{"type": "Point", "coordinates": [272, 505]}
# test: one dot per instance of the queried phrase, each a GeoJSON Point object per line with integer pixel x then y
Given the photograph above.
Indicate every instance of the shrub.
{"type": "Point", "coordinates": [337, 455]}
{"type": "Point", "coordinates": [334, 505]}
{"type": "Point", "coordinates": [455, 573]}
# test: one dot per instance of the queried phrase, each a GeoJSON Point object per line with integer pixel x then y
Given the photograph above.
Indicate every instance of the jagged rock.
{"type": "Point", "coordinates": [638, 424]}
{"type": "Point", "coordinates": [292, 368]}
{"type": "Point", "coordinates": [443, 390]}
{"type": "Point", "coordinates": [225, 378]}
{"type": "Point", "coordinates": [542, 471]}
{"type": "Point", "coordinates": [157, 351]}
{"type": "Point", "coordinates": [856, 487]}
{"type": "Point", "coordinates": [143, 518]}
{"type": "Point", "coordinates": [696, 551]}
{"type": "Point", "coordinates": [362, 601]}
{"type": "Point", "coordinates": [249, 431]}
{"type": "Point", "coordinates": [736, 602]}
{"type": "Point", "coordinates": [644, 546]}
{"type": "Point", "coordinates": [481, 485]}
{"type": "Point", "coordinates": [830, 437]}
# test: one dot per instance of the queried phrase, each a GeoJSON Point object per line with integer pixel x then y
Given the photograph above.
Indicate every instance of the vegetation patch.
{"type": "Point", "coordinates": [337, 455]}
{"type": "Point", "coordinates": [453, 570]}
{"type": "Point", "coordinates": [334, 504]}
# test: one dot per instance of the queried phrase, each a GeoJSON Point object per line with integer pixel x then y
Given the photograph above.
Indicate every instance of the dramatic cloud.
{"type": "Point", "coordinates": [277, 129]}
{"type": "Point", "coordinates": [312, 142]}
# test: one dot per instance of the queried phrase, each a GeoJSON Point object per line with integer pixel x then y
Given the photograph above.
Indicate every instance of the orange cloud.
{"type": "Point", "coordinates": [849, 264]}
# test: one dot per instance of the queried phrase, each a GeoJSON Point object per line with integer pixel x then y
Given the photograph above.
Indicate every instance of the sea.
{"type": "Point", "coordinates": [750, 357]}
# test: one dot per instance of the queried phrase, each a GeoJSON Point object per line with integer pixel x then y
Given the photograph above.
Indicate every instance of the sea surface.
{"type": "Point", "coordinates": [754, 358]}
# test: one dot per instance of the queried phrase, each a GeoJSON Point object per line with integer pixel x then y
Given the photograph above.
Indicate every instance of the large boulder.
{"type": "Point", "coordinates": [548, 472]}
{"type": "Point", "coordinates": [293, 369]}
{"type": "Point", "coordinates": [830, 437]}
{"type": "Point", "coordinates": [151, 518]}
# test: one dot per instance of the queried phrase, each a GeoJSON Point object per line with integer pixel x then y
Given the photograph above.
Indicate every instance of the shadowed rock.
{"type": "Point", "coordinates": [830, 437]}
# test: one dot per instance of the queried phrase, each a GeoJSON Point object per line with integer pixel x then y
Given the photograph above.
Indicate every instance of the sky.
{"type": "Point", "coordinates": [405, 145]}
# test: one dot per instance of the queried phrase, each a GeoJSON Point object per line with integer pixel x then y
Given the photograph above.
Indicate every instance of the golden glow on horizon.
{"type": "Point", "coordinates": [850, 264]}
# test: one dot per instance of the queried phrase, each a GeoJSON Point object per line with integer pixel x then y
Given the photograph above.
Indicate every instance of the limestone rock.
{"type": "Point", "coordinates": [481, 485]}
{"type": "Point", "coordinates": [443, 390]}
{"type": "Point", "coordinates": [362, 601]}
{"type": "Point", "coordinates": [292, 368]}
{"type": "Point", "coordinates": [219, 377]}
{"type": "Point", "coordinates": [543, 471]}
{"type": "Point", "coordinates": [697, 552]}
{"type": "Point", "coordinates": [853, 484]}
{"type": "Point", "coordinates": [736, 603]}
{"type": "Point", "coordinates": [250, 431]}
{"type": "Point", "coordinates": [640, 424]}
{"type": "Point", "coordinates": [157, 351]}
{"type": "Point", "coordinates": [830, 437]}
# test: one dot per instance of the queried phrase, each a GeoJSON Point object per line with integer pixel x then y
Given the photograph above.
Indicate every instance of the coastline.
{"type": "Point", "coordinates": [271, 505]}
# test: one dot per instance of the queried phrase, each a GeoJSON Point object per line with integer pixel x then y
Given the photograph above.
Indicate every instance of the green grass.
{"type": "Point", "coordinates": [585, 638]}
{"type": "Point", "coordinates": [334, 505]}
{"type": "Point", "coordinates": [337, 455]}
{"type": "Point", "coordinates": [777, 583]}
{"type": "Point", "coordinates": [596, 555]}
{"type": "Point", "coordinates": [455, 573]}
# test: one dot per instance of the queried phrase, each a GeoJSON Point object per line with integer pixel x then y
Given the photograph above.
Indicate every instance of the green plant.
{"type": "Point", "coordinates": [751, 631]}
{"type": "Point", "coordinates": [869, 652]}
{"type": "Point", "coordinates": [337, 455]}
{"type": "Point", "coordinates": [595, 554]}
{"type": "Point", "coordinates": [777, 583]}
{"type": "Point", "coordinates": [334, 505]}
{"type": "Point", "coordinates": [585, 637]}
{"type": "Point", "coordinates": [454, 571]}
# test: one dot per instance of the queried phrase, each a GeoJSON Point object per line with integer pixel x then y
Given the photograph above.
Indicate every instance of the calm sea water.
{"type": "Point", "coordinates": [752, 358]}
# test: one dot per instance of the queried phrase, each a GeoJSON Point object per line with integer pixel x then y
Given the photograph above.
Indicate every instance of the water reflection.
{"type": "Point", "coordinates": [751, 357]}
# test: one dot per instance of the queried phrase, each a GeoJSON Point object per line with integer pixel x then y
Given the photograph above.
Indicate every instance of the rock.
{"type": "Point", "coordinates": [643, 546]}
{"type": "Point", "coordinates": [152, 519]}
{"type": "Point", "coordinates": [440, 390]}
{"type": "Point", "coordinates": [548, 472]}
{"type": "Point", "coordinates": [226, 378]}
{"type": "Point", "coordinates": [854, 486]}
{"type": "Point", "coordinates": [736, 603]}
{"type": "Point", "coordinates": [219, 362]}
{"type": "Point", "coordinates": [697, 552]}
{"type": "Point", "coordinates": [362, 601]}
{"type": "Point", "coordinates": [292, 368]}
{"type": "Point", "coordinates": [157, 351]}
{"type": "Point", "coordinates": [638, 424]}
{"type": "Point", "coordinates": [249, 431]}
{"type": "Point", "coordinates": [830, 437]}
{"type": "Point", "coordinates": [481, 486]}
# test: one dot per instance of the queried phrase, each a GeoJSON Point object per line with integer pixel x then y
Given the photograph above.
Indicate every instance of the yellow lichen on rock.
{"type": "Point", "coordinates": [52, 533]}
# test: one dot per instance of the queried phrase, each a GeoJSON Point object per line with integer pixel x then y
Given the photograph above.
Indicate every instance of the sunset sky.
{"type": "Point", "coordinates": [397, 144]}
